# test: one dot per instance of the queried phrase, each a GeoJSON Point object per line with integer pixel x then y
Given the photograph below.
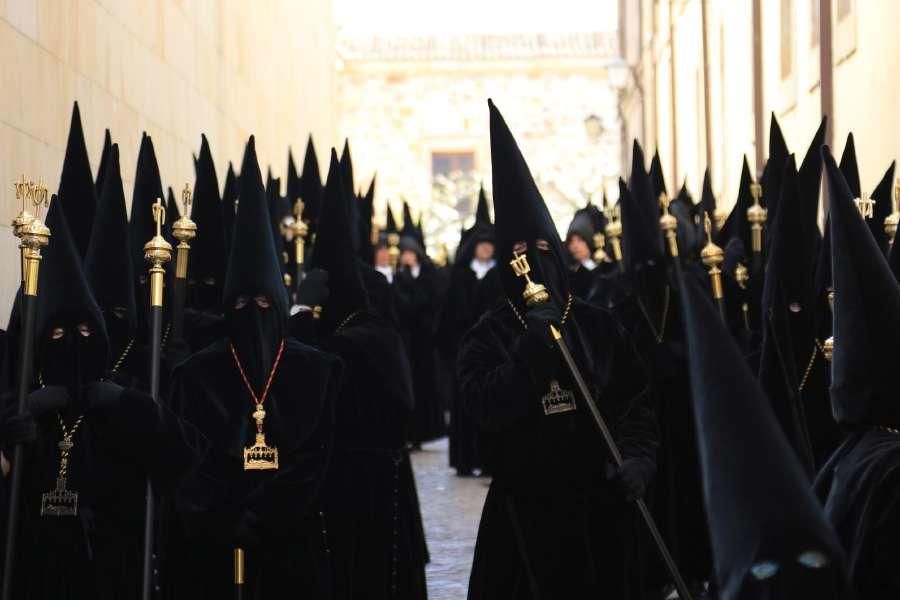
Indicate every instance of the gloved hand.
{"type": "Point", "coordinates": [128, 410]}
{"type": "Point", "coordinates": [17, 429]}
{"type": "Point", "coordinates": [246, 531]}
{"type": "Point", "coordinates": [539, 318]}
{"type": "Point", "coordinates": [632, 478]}
{"type": "Point", "coordinates": [47, 399]}
{"type": "Point", "coordinates": [313, 290]}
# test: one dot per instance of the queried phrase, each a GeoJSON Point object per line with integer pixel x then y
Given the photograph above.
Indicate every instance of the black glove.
{"type": "Point", "coordinates": [313, 290]}
{"type": "Point", "coordinates": [632, 478]}
{"type": "Point", "coordinates": [46, 400]}
{"type": "Point", "coordinates": [17, 429]}
{"type": "Point", "coordinates": [127, 410]}
{"type": "Point", "coordinates": [539, 318]}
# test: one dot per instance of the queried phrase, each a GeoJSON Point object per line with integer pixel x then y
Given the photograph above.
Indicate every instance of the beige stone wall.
{"type": "Point", "coordinates": [865, 57]}
{"type": "Point", "coordinates": [173, 68]}
{"type": "Point", "coordinates": [396, 118]}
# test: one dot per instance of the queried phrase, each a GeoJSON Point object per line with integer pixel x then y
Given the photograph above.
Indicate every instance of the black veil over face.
{"type": "Point", "coordinates": [79, 355]}
{"type": "Point", "coordinates": [254, 271]}
{"type": "Point", "coordinates": [521, 216]}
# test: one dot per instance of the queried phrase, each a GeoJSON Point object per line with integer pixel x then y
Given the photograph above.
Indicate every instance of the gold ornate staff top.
{"type": "Point", "coordinates": [756, 215]}
{"type": "Point", "coordinates": [301, 230]}
{"type": "Point", "coordinates": [534, 293]}
{"type": "Point", "coordinates": [613, 231]}
{"type": "Point", "coordinates": [712, 256]}
{"type": "Point", "coordinates": [157, 252]}
{"type": "Point", "coordinates": [34, 235]}
{"type": "Point", "coordinates": [892, 220]}
{"type": "Point", "coordinates": [669, 224]}
{"type": "Point", "coordinates": [184, 230]}
{"type": "Point", "coordinates": [600, 249]}
{"type": "Point", "coordinates": [865, 205]}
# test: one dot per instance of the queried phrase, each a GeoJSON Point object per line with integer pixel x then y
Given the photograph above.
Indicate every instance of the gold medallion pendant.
{"type": "Point", "coordinates": [260, 456]}
{"type": "Point", "coordinates": [62, 502]}
{"type": "Point", "coordinates": [558, 400]}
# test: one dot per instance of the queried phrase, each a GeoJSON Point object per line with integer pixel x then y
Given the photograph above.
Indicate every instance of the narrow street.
{"type": "Point", "coordinates": [451, 508]}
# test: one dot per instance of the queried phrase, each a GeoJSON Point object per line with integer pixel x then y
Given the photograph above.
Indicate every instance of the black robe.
{"type": "Point", "coordinates": [376, 536]}
{"type": "Point", "coordinates": [276, 516]}
{"type": "Point", "coordinates": [468, 298]}
{"type": "Point", "coordinates": [417, 304]}
{"type": "Point", "coordinates": [552, 525]}
{"type": "Point", "coordinates": [99, 552]}
{"type": "Point", "coordinates": [860, 487]}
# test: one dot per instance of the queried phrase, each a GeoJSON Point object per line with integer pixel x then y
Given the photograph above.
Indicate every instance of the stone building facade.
{"type": "Point", "coordinates": [415, 111]}
{"type": "Point", "coordinates": [173, 68]}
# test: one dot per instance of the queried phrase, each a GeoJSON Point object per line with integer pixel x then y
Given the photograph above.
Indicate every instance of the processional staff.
{"type": "Point", "coordinates": [184, 230]}
{"type": "Point", "coordinates": [756, 215]}
{"type": "Point", "coordinates": [713, 256]}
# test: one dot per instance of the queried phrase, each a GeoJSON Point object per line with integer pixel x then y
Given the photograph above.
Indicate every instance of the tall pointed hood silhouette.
{"type": "Point", "coordinates": [708, 202]}
{"type": "Point", "coordinates": [108, 266]}
{"type": "Point", "coordinates": [482, 212]}
{"type": "Point", "coordinates": [884, 205]}
{"type": "Point", "coordinates": [147, 188]}
{"type": "Point", "coordinates": [521, 216]}
{"type": "Point", "coordinates": [849, 167]}
{"type": "Point", "coordinates": [253, 265]}
{"type": "Point", "coordinates": [76, 194]}
{"type": "Point", "coordinates": [229, 205]}
{"type": "Point", "coordinates": [657, 178]}
{"type": "Point", "coordinates": [641, 237]}
{"type": "Point", "coordinates": [173, 212]}
{"type": "Point", "coordinates": [409, 234]}
{"type": "Point", "coordinates": [764, 521]}
{"type": "Point", "coordinates": [208, 249]}
{"type": "Point", "coordinates": [866, 316]}
{"type": "Point", "coordinates": [736, 224]}
{"type": "Point", "coordinates": [333, 254]}
{"type": "Point", "coordinates": [65, 300]}
{"type": "Point", "coordinates": [774, 170]}
{"type": "Point", "coordinates": [101, 170]}
{"type": "Point", "coordinates": [311, 186]}
{"type": "Point", "coordinates": [292, 180]}
{"type": "Point", "coordinates": [811, 175]}
{"type": "Point", "coordinates": [788, 335]}
{"type": "Point", "coordinates": [366, 213]}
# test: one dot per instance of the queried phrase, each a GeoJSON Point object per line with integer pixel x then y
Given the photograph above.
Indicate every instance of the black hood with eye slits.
{"type": "Point", "coordinates": [521, 216]}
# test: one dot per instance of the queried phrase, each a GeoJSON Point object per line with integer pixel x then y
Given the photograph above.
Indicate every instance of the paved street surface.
{"type": "Point", "coordinates": [451, 508]}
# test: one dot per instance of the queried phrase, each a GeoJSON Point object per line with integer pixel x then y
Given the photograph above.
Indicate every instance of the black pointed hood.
{"type": "Point", "coordinates": [736, 224]}
{"type": "Point", "coordinates": [101, 170]}
{"type": "Point", "coordinates": [774, 171]}
{"type": "Point", "coordinates": [311, 186]}
{"type": "Point", "coordinates": [292, 180]}
{"type": "Point", "coordinates": [229, 205]}
{"type": "Point", "coordinates": [76, 194]}
{"type": "Point", "coordinates": [691, 235]}
{"type": "Point", "coordinates": [347, 164]}
{"type": "Point", "coordinates": [849, 167]}
{"type": "Point", "coordinates": [761, 511]}
{"type": "Point", "coordinates": [866, 316]}
{"type": "Point", "coordinates": [409, 235]}
{"type": "Point", "coordinates": [206, 267]}
{"type": "Point", "coordinates": [482, 213]}
{"type": "Point", "coordinates": [366, 214]}
{"type": "Point", "coordinates": [253, 265]}
{"type": "Point", "coordinates": [147, 188]}
{"type": "Point", "coordinates": [391, 222]}
{"type": "Point", "coordinates": [173, 212]}
{"type": "Point", "coordinates": [333, 254]}
{"type": "Point", "coordinates": [108, 266]}
{"type": "Point", "coordinates": [884, 205]}
{"type": "Point", "coordinates": [657, 177]}
{"type": "Point", "coordinates": [708, 202]}
{"type": "Point", "coordinates": [521, 216]}
{"type": "Point", "coordinates": [65, 299]}
{"type": "Point", "coordinates": [811, 176]}
{"type": "Point", "coordinates": [787, 312]}
{"type": "Point", "coordinates": [641, 237]}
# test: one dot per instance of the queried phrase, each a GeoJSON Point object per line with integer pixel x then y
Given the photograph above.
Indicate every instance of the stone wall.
{"type": "Point", "coordinates": [173, 68]}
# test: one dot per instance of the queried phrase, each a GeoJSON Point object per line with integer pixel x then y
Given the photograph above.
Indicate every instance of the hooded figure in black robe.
{"type": "Point", "coordinates": [647, 305]}
{"type": "Point", "coordinates": [376, 545]}
{"type": "Point", "coordinates": [556, 522]}
{"type": "Point", "coordinates": [120, 437]}
{"type": "Point", "coordinates": [275, 515]}
{"type": "Point", "coordinates": [101, 170]}
{"type": "Point", "coordinates": [474, 289]}
{"type": "Point", "coordinates": [769, 537]}
{"type": "Point", "coordinates": [860, 484]}
{"type": "Point", "coordinates": [418, 293]}
{"type": "Point", "coordinates": [581, 245]}
{"type": "Point", "coordinates": [229, 206]}
{"type": "Point", "coordinates": [110, 273]}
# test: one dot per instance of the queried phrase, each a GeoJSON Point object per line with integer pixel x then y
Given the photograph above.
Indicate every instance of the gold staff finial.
{"type": "Point", "coordinates": [157, 252]}
{"type": "Point", "coordinates": [613, 232]}
{"type": "Point", "coordinates": [865, 205]}
{"type": "Point", "coordinates": [300, 230]}
{"type": "Point", "coordinates": [712, 256]}
{"type": "Point", "coordinates": [183, 230]}
{"type": "Point", "coordinates": [756, 215]}
{"type": "Point", "coordinates": [600, 248]}
{"type": "Point", "coordinates": [534, 293]}
{"type": "Point", "coordinates": [669, 224]}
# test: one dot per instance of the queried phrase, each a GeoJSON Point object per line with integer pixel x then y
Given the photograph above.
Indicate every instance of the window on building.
{"type": "Point", "coordinates": [453, 187]}
{"type": "Point", "coordinates": [449, 163]}
{"type": "Point", "coordinates": [814, 23]}
{"type": "Point", "coordinates": [787, 33]}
